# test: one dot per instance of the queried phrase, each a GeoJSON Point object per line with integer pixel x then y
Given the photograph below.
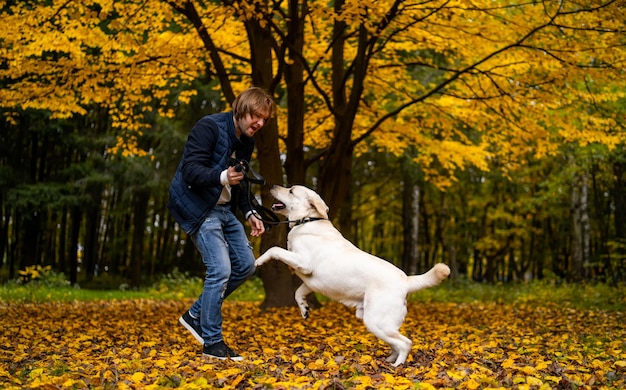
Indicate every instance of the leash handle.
{"type": "Point", "coordinates": [249, 174]}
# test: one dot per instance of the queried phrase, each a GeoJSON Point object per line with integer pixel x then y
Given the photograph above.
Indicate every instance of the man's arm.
{"type": "Point", "coordinates": [199, 149]}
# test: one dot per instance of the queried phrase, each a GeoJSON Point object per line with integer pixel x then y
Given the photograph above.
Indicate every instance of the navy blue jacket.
{"type": "Point", "coordinates": [196, 187]}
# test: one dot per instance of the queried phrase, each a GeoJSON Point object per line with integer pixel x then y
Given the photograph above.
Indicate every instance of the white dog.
{"type": "Point", "coordinates": [329, 264]}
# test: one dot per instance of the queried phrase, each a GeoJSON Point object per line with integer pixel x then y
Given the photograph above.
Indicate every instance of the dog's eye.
{"type": "Point", "coordinates": [291, 191]}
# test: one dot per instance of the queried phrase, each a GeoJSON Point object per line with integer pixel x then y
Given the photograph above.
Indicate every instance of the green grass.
{"type": "Point", "coordinates": [172, 286]}
{"type": "Point", "coordinates": [38, 293]}
{"type": "Point", "coordinates": [179, 285]}
{"type": "Point", "coordinates": [581, 296]}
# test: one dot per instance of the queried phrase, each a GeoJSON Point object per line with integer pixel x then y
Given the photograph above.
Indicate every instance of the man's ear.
{"type": "Point", "coordinates": [318, 204]}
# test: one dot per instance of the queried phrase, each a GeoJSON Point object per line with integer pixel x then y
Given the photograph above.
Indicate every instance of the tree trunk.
{"type": "Point", "coordinates": [278, 280]}
{"type": "Point", "coordinates": [75, 219]}
{"type": "Point", "coordinates": [295, 167]}
{"type": "Point", "coordinates": [410, 223]}
{"type": "Point", "coordinates": [92, 229]}
{"type": "Point", "coordinates": [580, 227]}
{"type": "Point", "coordinates": [140, 215]}
{"type": "Point", "coordinates": [28, 239]}
{"type": "Point", "coordinates": [619, 199]}
{"type": "Point", "coordinates": [61, 249]}
{"type": "Point", "coordinates": [336, 165]}
{"type": "Point", "coordinates": [187, 261]}
{"type": "Point", "coordinates": [4, 234]}
{"type": "Point", "coordinates": [427, 244]}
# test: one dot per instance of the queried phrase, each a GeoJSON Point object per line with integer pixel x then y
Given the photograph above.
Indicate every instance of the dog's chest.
{"type": "Point", "coordinates": [293, 242]}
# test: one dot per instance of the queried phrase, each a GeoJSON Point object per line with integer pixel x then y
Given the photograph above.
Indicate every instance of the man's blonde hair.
{"type": "Point", "coordinates": [252, 101]}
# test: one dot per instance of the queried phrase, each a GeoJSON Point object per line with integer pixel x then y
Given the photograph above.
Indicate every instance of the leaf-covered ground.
{"type": "Point", "coordinates": [139, 344]}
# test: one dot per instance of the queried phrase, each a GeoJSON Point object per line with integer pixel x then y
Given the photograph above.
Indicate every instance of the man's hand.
{"type": "Point", "coordinates": [257, 226]}
{"type": "Point", "coordinates": [233, 176]}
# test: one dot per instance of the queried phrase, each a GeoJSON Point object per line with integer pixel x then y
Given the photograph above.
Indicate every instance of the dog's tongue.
{"type": "Point", "coordinates": [278, 206]}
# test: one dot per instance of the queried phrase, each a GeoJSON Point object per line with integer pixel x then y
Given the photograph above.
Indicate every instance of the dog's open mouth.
{"type": "Point", "coordinates": [278, 206]}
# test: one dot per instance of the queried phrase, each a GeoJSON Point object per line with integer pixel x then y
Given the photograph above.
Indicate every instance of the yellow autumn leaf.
{"type": "Point", "coordinates": [318, 364]}
{"type": "Point", "coordinates": [36, 372]}
{"type": "Point", "coordinates": [472, 384]}
{"type": "Point", "coordinates": [552, 378]}
{"type": "Point", "coordinates": [508, 363]}
{"type": "Point", "coordinates": [365, 382]}
{"type": "Point", "coordinates": [519, 380]}
{"type": "Point", "coordinates": [237, 380]}
{"type": "Point", "coordinates": [138, 377]}
{"type": "Point", "coordinates": [456, 375]}
{"type": "Point", "coordinates": [340, 352]}
{"type": "Point", "coordinates": [365, 359]}
{"type": "Point", "coordinates": [206, 367]}
{"type": "Point", "coordinates": [201, 383]}
{"type": "Point", "coordinates": [531, 380]}
{"type": "Point", "coordinates": [228, 372]}
{"type": "Point", "coordinates": [123, 386]}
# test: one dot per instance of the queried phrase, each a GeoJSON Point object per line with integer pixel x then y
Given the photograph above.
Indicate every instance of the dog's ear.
{"type": "Point", "coordinates": [318, 204]}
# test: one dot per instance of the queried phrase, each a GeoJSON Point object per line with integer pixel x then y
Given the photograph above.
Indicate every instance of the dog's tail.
{"type": "Point", "coordinates": [429, 279]}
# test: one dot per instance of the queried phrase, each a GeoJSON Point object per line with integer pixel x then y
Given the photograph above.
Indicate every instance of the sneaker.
{"type": "Point", "coordinates": [220, 351]}
{"type": "Point", "coordinates": [192, 325]}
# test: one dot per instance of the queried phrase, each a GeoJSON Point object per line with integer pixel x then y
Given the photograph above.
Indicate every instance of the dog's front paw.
{"type": "Point", "coordinates": [304, 270]}
{"type": "Point", "coordinates": [260, 261]}
{"type": "Point", "coordinates": [305, 312]}
{"type": "Point", "coordinates": [442, 271]}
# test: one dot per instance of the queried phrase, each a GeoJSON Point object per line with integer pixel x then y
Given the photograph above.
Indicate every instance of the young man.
{"type": "Point", "coordinates": [204, 194]}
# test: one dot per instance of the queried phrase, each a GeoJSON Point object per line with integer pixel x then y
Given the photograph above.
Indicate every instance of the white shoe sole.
{"type": "Point", "coordinates": [237, 359]}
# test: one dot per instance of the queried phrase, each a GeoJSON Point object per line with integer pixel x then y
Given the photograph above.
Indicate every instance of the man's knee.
{"type": "Point", "coordinates": [248, 269]}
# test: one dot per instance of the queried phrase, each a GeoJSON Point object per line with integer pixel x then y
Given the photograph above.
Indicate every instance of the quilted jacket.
{"type": "Point", "coordinates": [196, 188]}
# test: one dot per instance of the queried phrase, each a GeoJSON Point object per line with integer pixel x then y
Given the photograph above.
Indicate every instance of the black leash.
{"type": "Point", "coordinates": [266, 215]}
{"type": "Point", "coordinates": [243, 166]}
{"type": "Point", "coordinates": [302, 221]}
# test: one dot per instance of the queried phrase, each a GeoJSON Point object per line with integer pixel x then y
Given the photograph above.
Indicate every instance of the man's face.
{"type": "Point", "coordinates": [251, 123]}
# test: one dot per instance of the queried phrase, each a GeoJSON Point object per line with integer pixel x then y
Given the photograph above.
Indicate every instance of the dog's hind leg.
{"type": "Point", "coordinates": [301, 294]}
{"type": "Point", "coordinates": [400, 348]}
{"type": "Point", "coordinates": [400, 345]}
{"type": "Point", "coordinates": [383, 318]}
{"type": "Point", "coordinates": [394, 355]}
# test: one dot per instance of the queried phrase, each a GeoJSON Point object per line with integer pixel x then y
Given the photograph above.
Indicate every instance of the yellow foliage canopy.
{"type": "Point", "coordinates": [139, 344]}
{"type": "Point", "coordinates": [502, 80]}
{"type": "Point", "coordinates": [465, 82]}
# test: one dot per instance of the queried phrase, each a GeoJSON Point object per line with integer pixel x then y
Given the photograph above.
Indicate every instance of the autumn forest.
{"type": "Point", "coordinates": [486, 134]}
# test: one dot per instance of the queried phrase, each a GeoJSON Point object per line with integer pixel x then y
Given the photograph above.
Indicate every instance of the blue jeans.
{"type": "Point", "coordinates": [227, 255]}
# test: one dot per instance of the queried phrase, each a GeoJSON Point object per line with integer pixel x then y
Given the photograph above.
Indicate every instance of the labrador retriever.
{"type": "Point", "coordinates": [329, 264]}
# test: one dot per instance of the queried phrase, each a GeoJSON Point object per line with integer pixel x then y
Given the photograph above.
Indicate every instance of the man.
{"type": "Point", "coordinates": [204, 194]}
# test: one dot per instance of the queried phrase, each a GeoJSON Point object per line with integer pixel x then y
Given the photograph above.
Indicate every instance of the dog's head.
{"type": "Point", "coordinates": [298, 202]}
